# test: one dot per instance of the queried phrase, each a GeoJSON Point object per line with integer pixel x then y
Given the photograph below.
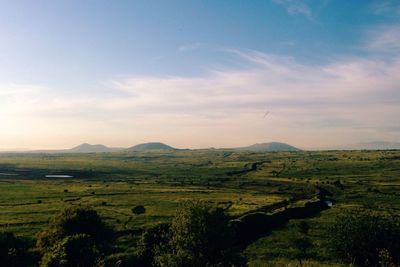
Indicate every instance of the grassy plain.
{"type": "Point", "coordinates": [113, 183]}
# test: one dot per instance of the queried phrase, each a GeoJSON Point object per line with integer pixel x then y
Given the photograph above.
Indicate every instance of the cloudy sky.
{"type": "Point", "coordinates": [198, 73]}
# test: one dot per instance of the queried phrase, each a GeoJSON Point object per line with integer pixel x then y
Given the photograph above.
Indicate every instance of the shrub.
{"type": "Point", "coordinates": [303, 227]}
{"type": "Point", "coordinates": [13, 250]}
{"type": "Point", "coordinates": [359, 237]}
{"type": "Point", "coordinates": [72, 221]}
{"type": "Point", "coordinates": [301, 244]}
{"type": "Point", "coordinates": [154, 240]}
{"type": "Point", "coordinates": [200, 235]}
{"type": "Point", "coordinates": [140, 209]}
{"type": "Point", "coordinates": [75, 250]}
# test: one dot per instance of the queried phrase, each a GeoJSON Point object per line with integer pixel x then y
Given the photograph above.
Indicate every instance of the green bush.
{"type": "Point", "coordinates": [71, 251]}
{"type": "Point", "coordinates": [200, 235]}
{"type": "Point", "coordinates": [360, 238]}
{"type": "Point", "coordinates": [303, 227]}
{"type": "Point", "coordinates": [74, 227]}
{"type": "Point", "coordinates": [13, 250]}
{"type": "Point", "coordinates": [140, 209]}
{"type": "Point", "coordinates": [75, 220]}
{"type": "Point", "coordinates": [154, 241]}
{"type": "Point", "coordinates": [301, 245]}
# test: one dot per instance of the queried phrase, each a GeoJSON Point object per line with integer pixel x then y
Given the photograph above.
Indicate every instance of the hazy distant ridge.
{"type": "Point", "coordinates": [272, 146]}
{"type": "Point", "coordinates": [151, 146]}
{"type": "Point", "coordinates": [379, 145]}
{"type": "Point", "coordinates": [259, 147]}
{"type": "Point", "coordinates": [88, 148]}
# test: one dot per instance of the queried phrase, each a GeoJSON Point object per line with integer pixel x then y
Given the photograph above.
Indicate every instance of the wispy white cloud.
{"type": "Point", "coordinates": [346, 100]}
{"type": "Point", "coordinates": [386, 7]}
{"type": "Point", "coordinates": [12, 89]}
{"type": "Point", "coordinates": [295, 7]}
{"type": "Point", "coordinates": [384, 38]}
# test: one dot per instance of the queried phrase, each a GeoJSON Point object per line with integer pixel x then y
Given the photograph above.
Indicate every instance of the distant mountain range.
{"type": "Point", "coordinates": [157, 146]}
{"type": "Point", "coordinates": [88, 148]}
{"type": "Point", "coordinates": [262, 147]}
{"type": "Point", "coordinates": [378, 145]}
{"type": "Point", "coordinates": [151, 146]}
{"type": "Point", "coordinates": [272, 146]}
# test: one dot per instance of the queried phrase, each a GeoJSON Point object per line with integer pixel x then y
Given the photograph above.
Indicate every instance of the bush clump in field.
{"type": "Point", "coordinates": [363, 237]}
{"type": "Point", "coordinates": [13, 250]}
{"type": "Point", "coordinates": [139, 209]}
{"type": "Point", "coordinates": [75, 237]}
{"type": "Point", "coordinates": [200, 235]}
{"type": "Point", "coordinates": [301, 242]}
{"type": "Point", "coordinates": [303, 227]}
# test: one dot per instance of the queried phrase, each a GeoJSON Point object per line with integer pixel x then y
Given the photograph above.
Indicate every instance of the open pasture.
{"type": "Point", "coordinates": [242, 182]}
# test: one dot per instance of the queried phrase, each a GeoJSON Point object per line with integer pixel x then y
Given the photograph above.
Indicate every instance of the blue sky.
{"type": "Point", "coordinates": [198, 73]}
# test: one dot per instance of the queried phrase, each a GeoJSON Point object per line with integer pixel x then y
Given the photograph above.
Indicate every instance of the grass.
{"type": "Point", "coordinates": [113, 183]}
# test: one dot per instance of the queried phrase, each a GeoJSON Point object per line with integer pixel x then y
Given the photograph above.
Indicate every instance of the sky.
{"type": "Point", "coordinates": [197, 74]}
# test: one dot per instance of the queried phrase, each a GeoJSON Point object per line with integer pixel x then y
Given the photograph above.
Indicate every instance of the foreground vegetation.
{"type": "Point", "coordinates": [135, 193]}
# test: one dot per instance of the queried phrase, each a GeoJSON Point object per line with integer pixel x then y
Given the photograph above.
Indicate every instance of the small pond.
{"type": "Point", "coordinates": [59, 176]}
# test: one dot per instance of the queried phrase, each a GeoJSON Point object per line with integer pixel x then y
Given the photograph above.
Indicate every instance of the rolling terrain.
{"type": "Point", "coordinates": [243, 182]}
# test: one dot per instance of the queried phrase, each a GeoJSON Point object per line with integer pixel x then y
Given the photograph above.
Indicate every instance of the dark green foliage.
{"type": "Point", "coordinates": [13, 251]}
{"type": "Point", "coordinates": [75, 250]}
{"type": "Point", "coordinates": [160, 180]}
{"type": "Point", "coordinates": [303, 227]}
{"type": "Point", "coordinates": [140, 209]}
{"type": "Point", "coordinates": [154, 240]}
{"type": "Point", "coordinates": [73, 227]}
{"type": "Point", "coordinates": [301, 244]}
{"type": "Point", "coordinates": [200, 235]}
{"type": "Point", "coordinates": [338, 184]}
{"type": "Point", "coordinates": [359, 237]}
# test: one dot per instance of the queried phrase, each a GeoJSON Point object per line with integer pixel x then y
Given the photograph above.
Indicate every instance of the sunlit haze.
{"type": "Point", "coordinates": [197, 74]}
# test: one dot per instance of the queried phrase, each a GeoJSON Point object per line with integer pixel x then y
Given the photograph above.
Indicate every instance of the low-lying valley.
{"type": "Point", "coordinates": [267, 194]}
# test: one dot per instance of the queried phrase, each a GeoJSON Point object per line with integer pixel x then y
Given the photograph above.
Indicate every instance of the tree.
{"type": "Point", "coordinates": [154, 240]}
{"type": "Point", "coordinates": [303, 227]}
{"type": "Point", "coordinates": [74, 226]}
{"type": "Point", "coordinates": [200, 235]}
{"type": "Point", "coordinates": [137, 210]}
{"type": "Point", "coordinates": [13, 250]}
{"type": "Point", "coordinates": [301, 244]}
{"type": "Point", "coordinates": [74, 250]}
{"type": "Point", "coordinates": [359, 237]}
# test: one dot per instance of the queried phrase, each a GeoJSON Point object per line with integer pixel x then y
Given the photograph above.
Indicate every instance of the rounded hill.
{"type": "Point", "coordinates": [272, 146]}
{"type": "Point", "coordinates": [151, 146]}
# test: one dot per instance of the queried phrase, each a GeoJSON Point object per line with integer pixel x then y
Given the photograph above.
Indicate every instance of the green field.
{"type": "Point", "coordinates": [113, 183]}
